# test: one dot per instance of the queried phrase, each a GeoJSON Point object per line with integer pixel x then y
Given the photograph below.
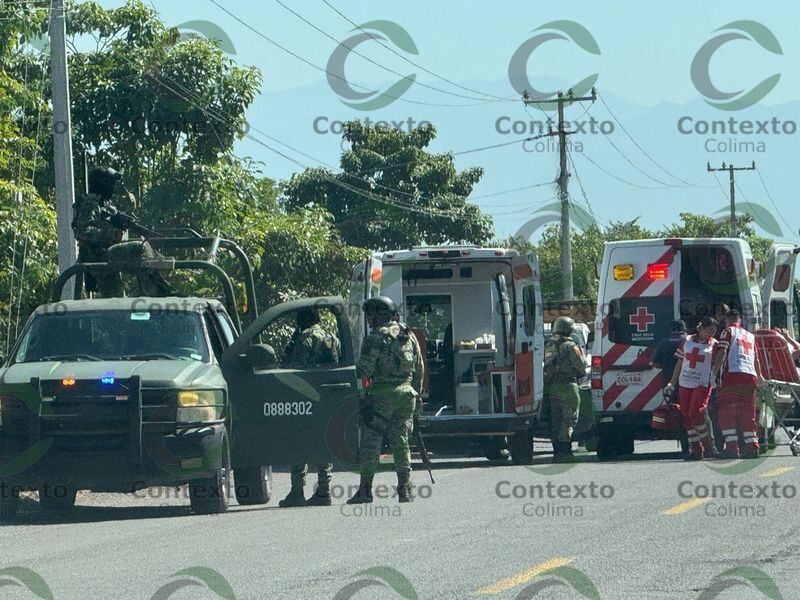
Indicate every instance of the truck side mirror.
{"type": "Point", "coordinates": [261, 356]}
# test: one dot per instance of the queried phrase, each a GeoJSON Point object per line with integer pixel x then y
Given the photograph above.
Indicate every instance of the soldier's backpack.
{"type": "Point", "coordinates": [553, 364]}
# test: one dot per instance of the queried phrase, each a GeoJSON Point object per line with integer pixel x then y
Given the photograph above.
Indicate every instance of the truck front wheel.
{"type": "Point", "coordinates": [9, 506]}
{"type": "Point", "coordinates": [210, 496]}
{"type": "Point", "coordinates": [57, 498]}
{"type": "Point", "coordinates": [253, 485]}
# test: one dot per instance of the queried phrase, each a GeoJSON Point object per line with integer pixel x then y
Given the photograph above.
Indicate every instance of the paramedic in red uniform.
{"type": "Point", "coordinates": [693, 376]}
{"type": "Point", "coordinates": [737, 361]}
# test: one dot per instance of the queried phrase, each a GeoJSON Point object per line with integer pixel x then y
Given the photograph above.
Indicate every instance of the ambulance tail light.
{"type": "Point", "coordinates": [597, 373]}
{"type": "Point", "coordinates": [658, 271]}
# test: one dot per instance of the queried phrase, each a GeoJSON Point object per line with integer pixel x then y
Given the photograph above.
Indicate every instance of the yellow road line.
{"type": "Point", "coordinates": [684, 506]}
{"type": "Point", "coordinates": [778, 471]}
{"type": "Point", "coordinates": [525, 576]}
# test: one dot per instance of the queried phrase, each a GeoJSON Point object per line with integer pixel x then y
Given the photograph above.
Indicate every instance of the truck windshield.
{"type": "Point", "coordinates": [114, 335]}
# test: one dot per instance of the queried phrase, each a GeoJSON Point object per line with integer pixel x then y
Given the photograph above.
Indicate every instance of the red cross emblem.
{"type": "Point", "coordinates": [642, 319]}
{"type": "Point", "coordinates": [695, 357]}
{"type": "Point", "coordinates": [745, 344]}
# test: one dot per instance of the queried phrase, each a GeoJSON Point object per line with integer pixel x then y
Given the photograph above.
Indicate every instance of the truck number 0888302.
{"type": "Point", "coordinates": [287, 409]}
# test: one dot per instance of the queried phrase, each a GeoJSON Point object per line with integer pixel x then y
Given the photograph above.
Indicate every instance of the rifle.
{"type": "Point", "coordinates": [123, 220]}
{"type": "Point", "coordinates": [423, 451]}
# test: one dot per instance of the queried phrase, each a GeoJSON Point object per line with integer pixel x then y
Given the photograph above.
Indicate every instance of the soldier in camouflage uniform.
{"type": "Point", "coordinates": [392, 360]}
{"type": "Point", "coordinates": [94, 231]}
{"type": "Point", "coordinates": [311, 346]}
{"type": "Point", "coordinates": [100, 227]}
{"type": "Point", "coordinates": [564, 365]}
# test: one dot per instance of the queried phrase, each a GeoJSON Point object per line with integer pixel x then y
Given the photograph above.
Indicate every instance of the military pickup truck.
{"type": "Point", "coordinates": [119, 394]}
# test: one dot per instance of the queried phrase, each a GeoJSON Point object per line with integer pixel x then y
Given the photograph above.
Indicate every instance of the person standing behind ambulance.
{"type": "Point", "coordinates": [692, 375]}
{"type": "Point", "coordinates": [736, 359]}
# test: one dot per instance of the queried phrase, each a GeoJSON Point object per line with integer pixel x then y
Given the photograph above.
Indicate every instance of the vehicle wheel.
{"type": "Point", "coordinates": [625, 445]}
{"type": "Point", "coordinates": [210, 496]}
{"type": "Point", "coordinates": [253, 485]}
{"type": "Point", "coordinates": [9, 507]}
{"type": "Point", "coordinates": [521, 447]}
{"type": "Point", "coordinates": [606, 443]}
{"type": "Point", "coordinates": [591, 444]}
{"type": "Point", "coordinates": [57, 503]}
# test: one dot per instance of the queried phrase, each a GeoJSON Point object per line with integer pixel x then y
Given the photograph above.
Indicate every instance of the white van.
{"type": "Point", "coordinates": [643, 286]}
{"type": "Point", "coordinates": [477, 313]}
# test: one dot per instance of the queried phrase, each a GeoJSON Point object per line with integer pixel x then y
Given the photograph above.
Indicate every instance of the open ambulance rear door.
{"type": "Point", "coordinates": [639, 299]}
{"type": "Point", "coordinates": [529, 333]}
{"type": "Point", "coordinates": [365, 282]}
{"type": "Point", "coordinates": [777, 292]}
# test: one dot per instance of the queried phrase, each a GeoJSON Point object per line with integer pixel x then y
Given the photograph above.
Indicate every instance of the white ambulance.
{"type": "Point", "coordinates": [646, 284]}
{"type": "Point", "coordinates": [477, 313]}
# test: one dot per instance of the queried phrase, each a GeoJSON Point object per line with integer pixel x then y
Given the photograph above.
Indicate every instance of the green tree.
{"type": "Point", "coordinates": [27, 221]}
{"type": "Point", "coordinates": [392, 193]}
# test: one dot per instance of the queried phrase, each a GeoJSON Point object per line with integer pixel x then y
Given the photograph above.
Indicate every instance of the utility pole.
{"type": "Point", "coordinates": [563, 181]}
{"type": "Point", "coordinates": [62, 141]}
{"type": "Point", "coordinates": [731, 170]}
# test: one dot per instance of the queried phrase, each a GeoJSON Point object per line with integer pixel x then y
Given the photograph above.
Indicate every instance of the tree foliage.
{"type": "Point", "coordinates": [27, 221]}
{"type": "Point", "coordinates": [392, 193]}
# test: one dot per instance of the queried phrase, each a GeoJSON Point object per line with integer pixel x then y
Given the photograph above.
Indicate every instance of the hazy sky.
{"type": "Point", "coordinates": [646, 49]}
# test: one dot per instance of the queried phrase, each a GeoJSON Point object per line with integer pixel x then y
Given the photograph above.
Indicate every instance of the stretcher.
{"type": "Point", "coordinates": [782, 391]}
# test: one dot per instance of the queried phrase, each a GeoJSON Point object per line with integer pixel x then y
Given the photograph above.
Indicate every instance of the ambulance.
{"type": "Point", "coordinates": [477, 313]}
{"type": "Point", "coordinates": [646, 284]}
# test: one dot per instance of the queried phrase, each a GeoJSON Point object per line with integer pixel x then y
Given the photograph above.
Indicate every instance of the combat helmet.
{"type": "Point", "coordinates": [563, 326]}
{"type": "Point", "coordinates": [103, 181]}
{"type": "Point", "coordinates": [380, 306]}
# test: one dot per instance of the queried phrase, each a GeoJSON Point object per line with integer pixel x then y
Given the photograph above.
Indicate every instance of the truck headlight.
{"type": "Point", "coordinates": [200, 405]}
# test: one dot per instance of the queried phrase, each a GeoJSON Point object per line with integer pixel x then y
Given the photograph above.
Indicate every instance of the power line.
{"type": "Point", "coordinates": [580, 185]}
{"type": "Point", "coordinates": [415, 64]}
{"type": "Point", "coordinates": [620, 179]}
{"type": "Point", "coordinates": [628, 160]}
{"type": "Point", "coordinates": [519, 189]}
{"type": "Point", "coordinates": [324, 70]}
{"type": "Point", "coordinates": [642, 150]}
{"type": "Point", "coordinates": [376, 63]}
{"type": "Point", "coordinates": [774, 204]}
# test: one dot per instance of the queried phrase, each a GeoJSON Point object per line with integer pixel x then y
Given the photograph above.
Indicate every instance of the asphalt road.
{"type": "Point", "coordinates": [634, 529]}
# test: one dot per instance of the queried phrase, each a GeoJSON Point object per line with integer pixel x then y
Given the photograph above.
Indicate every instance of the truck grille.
{"type": "Point", "coordinates": [89, 415]}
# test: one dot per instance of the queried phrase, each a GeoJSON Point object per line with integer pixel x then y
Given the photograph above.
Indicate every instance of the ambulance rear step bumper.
{"type": "Point", "coordinates": [474, 425]}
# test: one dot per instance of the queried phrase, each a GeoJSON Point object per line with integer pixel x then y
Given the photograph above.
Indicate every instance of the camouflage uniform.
{"type": "Point", "coordinates": [564, 364]}
{"type": "Point", "coordinates": [95, 235]}
{"type": "Point", "coordinates": [310, 348]}
{"type": "Point", "coordinates": [313, 347]}
{"type": "Point", "coordinates": [392, 360]}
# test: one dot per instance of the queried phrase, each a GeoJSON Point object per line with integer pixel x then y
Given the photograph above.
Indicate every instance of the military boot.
{"type": "Point", "coordinates": [295, 498]}
{"type": "Point", "coordinates": [556, 450]}
{"type": "Point", "coordinates": [404, 487]}
{"type": "Point", "coordinates": [566, 452]}
{"type": "Point", "coordinates": [321, 496]}
{"type": "Point", "coordinates": [364, 493]}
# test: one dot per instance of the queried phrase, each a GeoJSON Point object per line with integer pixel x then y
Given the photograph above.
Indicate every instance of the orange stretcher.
{"type": "Point", "coordinates": [783, 383]}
